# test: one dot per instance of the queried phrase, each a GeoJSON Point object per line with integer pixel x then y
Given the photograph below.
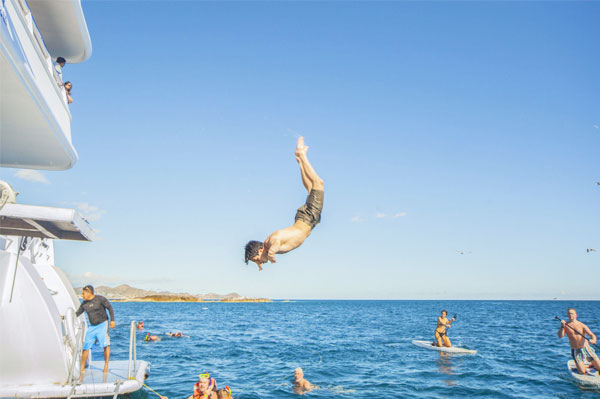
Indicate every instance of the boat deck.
{"type": "Point", "coordinates": [94, 384]}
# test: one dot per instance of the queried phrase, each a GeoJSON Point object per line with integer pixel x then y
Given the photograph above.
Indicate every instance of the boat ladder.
{"type": "Point", "coordinates": [115, 393]}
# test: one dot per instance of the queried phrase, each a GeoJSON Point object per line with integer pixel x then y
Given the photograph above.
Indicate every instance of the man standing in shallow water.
{"type": "Point", "coordinates": [581, 351]}
{"type": "Point", "coordinates": [307, 217]}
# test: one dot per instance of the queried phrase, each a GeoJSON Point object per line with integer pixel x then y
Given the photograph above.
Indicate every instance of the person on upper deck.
{"type": "Point", "coordinates": [58, 66]}
{"type": "Point", "coordinates": [307, 217]}
{"type": "Point", "coordinates": [96, 306]}
{"type": "Point", "coordinates": [68, 87]}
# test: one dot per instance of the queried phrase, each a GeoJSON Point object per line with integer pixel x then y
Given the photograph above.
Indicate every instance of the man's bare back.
{"type": "Point", "coordinates": [307, 217]}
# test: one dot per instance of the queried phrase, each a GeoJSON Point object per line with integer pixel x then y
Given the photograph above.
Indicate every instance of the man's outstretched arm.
{"type": "Point", "coordinates": [271, 248]}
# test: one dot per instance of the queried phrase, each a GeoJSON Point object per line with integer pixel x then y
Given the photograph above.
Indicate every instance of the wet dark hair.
{"type": "Point", "coordinates": [60, 59]}
{"type": "Point", "coordinates": [445, 311]}
{"type": "Point", "coordinates": [251, 249]}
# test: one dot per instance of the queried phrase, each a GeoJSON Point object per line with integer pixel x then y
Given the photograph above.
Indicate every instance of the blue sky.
{"type": "Point", "coordinates": [438, 127]}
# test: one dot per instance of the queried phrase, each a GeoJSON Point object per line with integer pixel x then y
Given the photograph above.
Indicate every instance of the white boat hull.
{"type": "Point", "coordinates": [93, 384]}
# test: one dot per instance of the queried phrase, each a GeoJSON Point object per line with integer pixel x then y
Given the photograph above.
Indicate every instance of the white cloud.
{"type": "Point", "coordinates": [91, 212]}
{"type": "Point", "coordinates": [357, 219]}
{"type": "Point", "coordinates": [596, 126]}
{"type": "Point", "coordinates": [31, 175]}
{"type": "Point", "coordinates": [381, 215]}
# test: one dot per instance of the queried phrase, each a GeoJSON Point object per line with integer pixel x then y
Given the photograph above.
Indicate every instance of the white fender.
{"type": "Point", "coordinates": [7, 194]}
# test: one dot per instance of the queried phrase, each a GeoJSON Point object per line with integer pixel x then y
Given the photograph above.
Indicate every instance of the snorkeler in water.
{"type": "Point", "coordinates": [149, 337]}
{"type": "Point", "coordinates": [224, 393]}
{"type": "Point", "coordinates": [178, 334]}
{"type": "Point", "coordinates": [205, 388]}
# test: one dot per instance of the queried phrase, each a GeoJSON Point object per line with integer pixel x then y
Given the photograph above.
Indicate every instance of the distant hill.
{"type": "Point", "coordinates": [128, 293]}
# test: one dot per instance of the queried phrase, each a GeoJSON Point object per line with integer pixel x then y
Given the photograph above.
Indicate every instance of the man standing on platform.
{"type": "Point", "coordinates": [96, 306]}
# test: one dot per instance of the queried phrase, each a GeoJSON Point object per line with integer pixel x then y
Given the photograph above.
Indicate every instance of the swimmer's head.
{"type": "Point", "coordinates": [204, 381]}
{"type": "Point", "coordinates": [298, 374]}
{"type": "Point", "coordinates": [224, 393]}
{"type": "Point", "coordinates": [444, 313]}
{"type": "Point", "coordinates": [253, 251]}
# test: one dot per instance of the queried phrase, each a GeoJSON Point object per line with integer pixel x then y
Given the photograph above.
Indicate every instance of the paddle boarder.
{"type": "Point", "coordinates": [441, 339]}
{"type": "Point", "coordinates": [581, 351]}
{"type": "Point", "coordinates": [307, 217]}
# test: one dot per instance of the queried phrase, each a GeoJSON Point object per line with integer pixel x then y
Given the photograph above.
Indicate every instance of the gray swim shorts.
{"type": "Point", "coordinates": [310, 212]}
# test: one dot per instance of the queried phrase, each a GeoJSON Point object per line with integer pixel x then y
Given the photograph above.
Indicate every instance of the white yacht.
{"type": "Point", "coordinates": [41, 338]}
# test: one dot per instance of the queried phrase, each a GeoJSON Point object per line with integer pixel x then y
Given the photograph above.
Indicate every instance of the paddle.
{"type": "Point", "coordinates": [558, 318]}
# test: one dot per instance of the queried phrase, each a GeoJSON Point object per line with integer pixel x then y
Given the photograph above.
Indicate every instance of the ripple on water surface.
{"type": "Point", "coordinates": [357, 348]}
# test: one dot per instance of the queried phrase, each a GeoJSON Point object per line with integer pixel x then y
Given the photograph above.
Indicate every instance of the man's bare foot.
{"type": "Point", "coordinates": [259, 268]}
{"type": "Point", "coordinates": [300, 148]}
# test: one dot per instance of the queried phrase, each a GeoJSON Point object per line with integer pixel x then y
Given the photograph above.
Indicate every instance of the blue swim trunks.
{"type": "Point", "coordinates": [98, 332]}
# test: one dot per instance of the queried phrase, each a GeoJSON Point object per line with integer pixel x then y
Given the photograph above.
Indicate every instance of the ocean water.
{"type": "Point", "coordinates": [357, 348]}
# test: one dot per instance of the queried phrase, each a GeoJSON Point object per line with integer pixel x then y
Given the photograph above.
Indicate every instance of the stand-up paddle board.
{"type": "Point", "coordinates": [451, 349]}
{"type": "Point", "coordinates": [591, 378]}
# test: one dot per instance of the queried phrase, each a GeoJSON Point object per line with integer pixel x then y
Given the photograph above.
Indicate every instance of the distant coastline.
{"type": "Point", "coordinates": [126, 293]}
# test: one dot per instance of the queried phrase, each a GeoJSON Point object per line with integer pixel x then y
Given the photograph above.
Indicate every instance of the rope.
{"type": "Point", "coordinates": [132, 378]}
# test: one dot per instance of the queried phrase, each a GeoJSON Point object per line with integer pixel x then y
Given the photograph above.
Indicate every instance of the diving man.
{"type": "Point", "coordinates": [307, 217]}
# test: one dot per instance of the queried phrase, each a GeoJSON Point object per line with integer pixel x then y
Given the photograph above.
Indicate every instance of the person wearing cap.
{"type": "Point", "coordinates": [58, 66]}
{"type": "Point", "coordinates": [96, 306]}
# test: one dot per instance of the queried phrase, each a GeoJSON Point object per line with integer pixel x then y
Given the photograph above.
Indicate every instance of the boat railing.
{"type": "Point", "coordinates": [77, 352]}
{"type": "Point", "coordinates": [132, 351]}
{"type": "Point", "coordinates": [41, 49]}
